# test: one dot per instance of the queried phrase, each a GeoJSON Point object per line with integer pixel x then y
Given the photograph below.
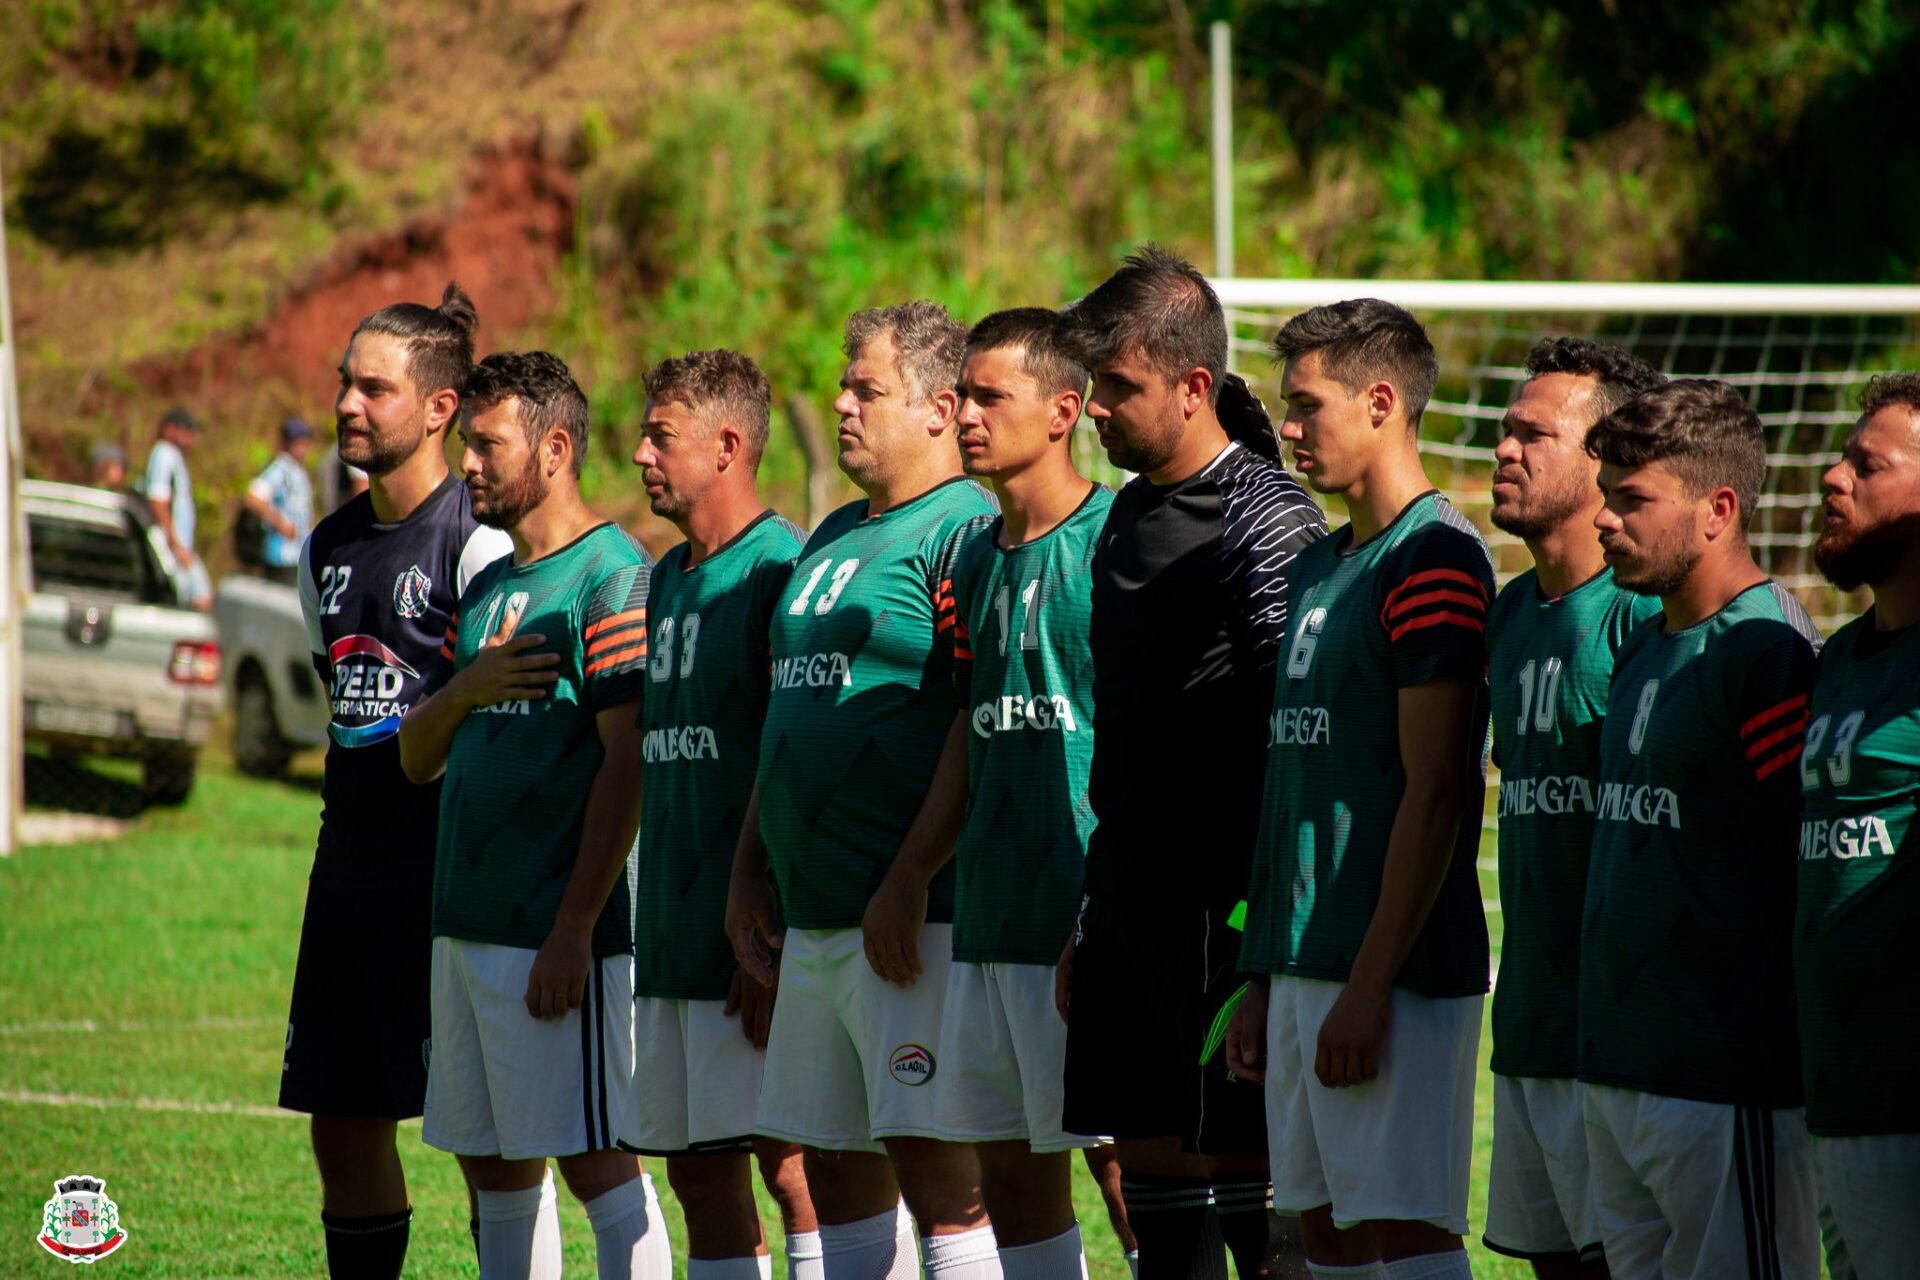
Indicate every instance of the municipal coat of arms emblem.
{"type": "Point", "coordinates": [81, 1224]}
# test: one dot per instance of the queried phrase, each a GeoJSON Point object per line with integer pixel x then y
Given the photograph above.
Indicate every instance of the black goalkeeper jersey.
{"type": "Point", "coordinates": [1189, 612]}
{"type": "Point", "coordinates": [378, 600]}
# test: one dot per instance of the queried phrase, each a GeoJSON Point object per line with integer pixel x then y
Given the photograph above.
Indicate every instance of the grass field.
{"type": "Point", "coordinates": [143, 996]}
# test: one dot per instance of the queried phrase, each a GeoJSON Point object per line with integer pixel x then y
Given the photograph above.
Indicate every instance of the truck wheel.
{"type": "Point", "coordinates": [258, 748]}
{"type": "Point", "coordinates": [166, 775]}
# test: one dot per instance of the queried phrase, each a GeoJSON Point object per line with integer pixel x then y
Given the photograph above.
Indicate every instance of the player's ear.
{"type": "Point", "coordinates": [1723, 512]}
{"type": "Point", "coordinates": [728, 445]}
{"type": "Point", "coordinates": [945, 404]}
{"type": "Point", "coordinates": [1066, 414]}
{"type": "Point", "coordinates": [1196, 390]}
{"type": "Point", "coordinates": [442, 407]}
{"type": "Point", "coordinates": [1382, 398]}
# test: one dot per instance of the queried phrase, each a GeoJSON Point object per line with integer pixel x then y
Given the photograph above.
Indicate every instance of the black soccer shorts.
{"type": "Point", "coordinates": [1149, 988]}
{"type": "Point", "coordinates": [358, 1030]}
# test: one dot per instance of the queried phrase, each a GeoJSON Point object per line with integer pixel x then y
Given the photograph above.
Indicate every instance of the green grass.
{"type": "Point", "coordinates": [175, 945]}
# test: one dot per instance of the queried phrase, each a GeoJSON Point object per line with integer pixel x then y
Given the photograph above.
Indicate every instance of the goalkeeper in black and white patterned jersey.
{"type": "Point", "coordinates": [1189, 609]}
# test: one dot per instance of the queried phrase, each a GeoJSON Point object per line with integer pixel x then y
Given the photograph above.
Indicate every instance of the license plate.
{"type": "Point", "coordinates": [93, 722]}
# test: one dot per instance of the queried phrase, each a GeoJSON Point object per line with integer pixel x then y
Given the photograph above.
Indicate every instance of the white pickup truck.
{"type": "Point", "coordinates": [114, 664]}
{"type": "Point", "coordinates": [279, 703]}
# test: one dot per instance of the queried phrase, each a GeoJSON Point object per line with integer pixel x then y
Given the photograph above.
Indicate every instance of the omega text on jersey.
{"type": "Point", "coordinates": [1014, 711]}
{"type": "Point", "coordinates": [1552, 794]}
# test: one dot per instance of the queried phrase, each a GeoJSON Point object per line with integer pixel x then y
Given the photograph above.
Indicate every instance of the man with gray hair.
{"type": "Point", "coordinates": [862, 707]}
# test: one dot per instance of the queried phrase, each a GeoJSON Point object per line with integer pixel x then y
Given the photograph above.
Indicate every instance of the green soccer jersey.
{"type": "Point", "coordinates": [1549, 666]}
{"type": "Point", "coordinates": [705, 699]}
{"type": "Point", "coordinates": [515, 794]}
{"type": "Point", "coordinates": [862, 702]}
{"type": "Point", "coordinates": [1026, 674]}
{"type": "Point", "coordinates": [1855, 948]}
{"type": "Point", "coordinates": [1686, 980]}
{"type": "Point", "coordinates": [1405, 607]}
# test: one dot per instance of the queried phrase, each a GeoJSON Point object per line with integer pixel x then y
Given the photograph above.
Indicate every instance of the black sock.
{"type": "Point", "coordinates": [1178, 1231]}
{"type": "Point", "coordinates": [1244, 1202]}
{"type": "Point", "coordinates": [366, 1248]}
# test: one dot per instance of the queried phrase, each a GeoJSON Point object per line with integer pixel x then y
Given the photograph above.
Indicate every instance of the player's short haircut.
{"type": "Point", "coordinates": [718, 386]}
{"type": "Point", "coordinates": [439, 340]}
{"type": "Point", "coordinates": [1884, 389]}
{"type": "Point", "coordinates": [1040, 335]}
{"type": "Point", "coordinates": [928, 344]}
{"type": "Point", "coordinates": [1699, 429]}
{"type": "Point", "coordinates": [548, 396]}
{"type": "Point", "coordinates": [1159, 305]}
{"type": "Point", "coordinates": [1618, 374]}
{"type": "Point", "coordinates": [1363, 341]}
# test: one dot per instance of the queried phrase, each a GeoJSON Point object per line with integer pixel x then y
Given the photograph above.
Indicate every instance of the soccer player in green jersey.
{"type": "Point", "coordinates": [861, 708]}
{"type": "Point", "coordinates": [1857, 934]}
{"type": "Point", "coordinates": [1550, 645]}
{"type": "Point", "coordinates": [1020, 750]}
{"type": "Point", "coordinates": [697, 1071]}
{"type": "Point", "coordinates": [1696, 1138]}
{"type": "Point", "coordinates": [1365, 934]}
{"type": "Point", "coordinates": [534, 722]}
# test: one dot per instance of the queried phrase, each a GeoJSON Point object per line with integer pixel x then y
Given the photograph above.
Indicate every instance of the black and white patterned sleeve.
{"type": "Point", "coordinates": [1266, 521]}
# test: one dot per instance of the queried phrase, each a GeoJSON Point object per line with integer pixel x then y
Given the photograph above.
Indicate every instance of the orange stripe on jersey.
{"type": "Point", "coordinates": [1436, 595]}
{"type": "Point", "coordinates": [616, 658]}
{"type": "Point", "coordinates": [1792, 729]}
{"type": "Point", "coordinates": [618, 618]}
{"type": "Point", "coordinates": [628, 634]}
{"type": "Point", "coordinates": [446, 653]}
{"type": "Point", "coordinates": [1773, 712]}
{"type": "Point", "coordinates": [1436, 619]}
{"type": "Point", "coordinates": [1437, 575]}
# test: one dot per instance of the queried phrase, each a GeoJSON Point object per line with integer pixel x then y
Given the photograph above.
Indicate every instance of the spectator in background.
{"type": "Point", "coordinates": [169, 492]}
{"type": "Point", "coordinates": [281, 498]}
{"type": "Point", "coordinates": [107, 462]}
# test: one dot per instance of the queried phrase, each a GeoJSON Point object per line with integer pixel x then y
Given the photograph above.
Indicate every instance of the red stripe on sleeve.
{"type": "Point", "coordinates": [1792, 729]}
{"type": "Point", "coordinates": [1436, 619]}
{"type": "Point", "coordinates": [1436, 596]}
{"type": "Point", "coordinates": [1773, 712]}
{"type": "Point", "coordinates": [1437, 575]}
{"type": "Point", "coordinates": [1779, 762]}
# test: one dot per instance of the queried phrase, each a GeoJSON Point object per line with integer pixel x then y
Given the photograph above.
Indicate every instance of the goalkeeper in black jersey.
{"type": "Point", "coordinates": [379, 579]}
{"type": "Point", "coordinates": [1189, 604]}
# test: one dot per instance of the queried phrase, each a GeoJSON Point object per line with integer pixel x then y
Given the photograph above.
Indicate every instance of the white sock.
{"type": "Point", "coordinates": [1450, 1264]}
{"type": "Point", "coordinates": [876, 1248]}
{"type": "Point", "coordinates": [967, 1255]}
{"type": "Point", "coordinates": [1365, 1271]}
{"type": "Point", "coordinates": [630, 1233]}
{"type": "Point", "coordinates": [757, 1266]}
{"type": "Point", "coordinates": [520, 1233]}
{"type": "Point", "coordinates": [1133, 1264]}
{"type": "Point", "coordinates": [1048, 1260]}
{"type": "Point", "coordinates": [803, 1257]}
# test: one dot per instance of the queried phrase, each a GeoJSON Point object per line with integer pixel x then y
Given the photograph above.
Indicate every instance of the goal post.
{"type": "Point", "coordinates": [1800, 353]}
{"type": "Point", "coordinates": [13, 602]}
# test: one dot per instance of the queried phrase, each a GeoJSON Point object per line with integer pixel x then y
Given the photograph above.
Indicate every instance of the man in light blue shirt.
{"type": "Point", "coordinates": [169, 491]}
{"type": "Point", "coordinates": [282, 498]}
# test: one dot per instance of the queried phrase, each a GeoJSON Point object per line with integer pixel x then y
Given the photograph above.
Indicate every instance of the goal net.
{"type": "Point", "coordinates": [1800, 353]}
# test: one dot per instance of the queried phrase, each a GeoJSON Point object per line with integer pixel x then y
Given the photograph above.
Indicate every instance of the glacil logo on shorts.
{"type": "Point", "coordinates": [911, 1064]}
{"type": "Point", "coordinates": [410, 593]}
{"type": "Point", "coordinates": [80, 1223]}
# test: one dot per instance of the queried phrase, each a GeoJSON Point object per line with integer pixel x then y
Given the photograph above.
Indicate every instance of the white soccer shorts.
{"type": "Point", "coordinates": [1539, 1195]}
{"type": "Point", "coordinates": [502, 1082]}
{"type": "Point", "coordinates": [1871, 1187]}
{"type": "Point", "coordinates": [1396, 1147]}
{"type": "Point", "coordinates": [696, 1080]}
{"type": "Point", "coordinates": [1003, 1057]}
{"type": "Point", "coordinates": [1686, 1190]}
{"type": "Point", "coordinates": [850, 1055]}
